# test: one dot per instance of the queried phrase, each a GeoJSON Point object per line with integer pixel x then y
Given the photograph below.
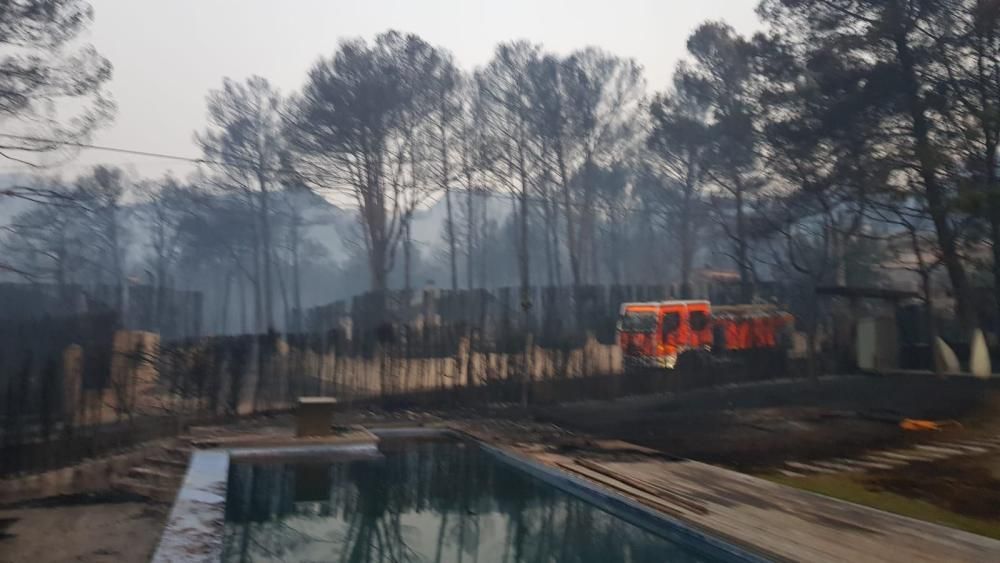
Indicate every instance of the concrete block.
{"type": "Point", "coordinates": [314, 416]}
{"type": "Point", "coordinates": [979, 355]}
{"type": "Point", "coordinates": [877, 343]}
{"type": "Point", "coordinates": [865, 344]}
{"type": "Point", "coordinates": [945, 360]}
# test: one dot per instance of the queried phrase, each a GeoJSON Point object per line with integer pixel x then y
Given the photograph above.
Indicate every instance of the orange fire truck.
{"type": "Point", "coordinates": [656, 334]}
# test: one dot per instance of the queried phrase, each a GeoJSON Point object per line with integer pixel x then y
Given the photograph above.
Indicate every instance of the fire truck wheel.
{"type": "Point", "coordinates": [694, 360]}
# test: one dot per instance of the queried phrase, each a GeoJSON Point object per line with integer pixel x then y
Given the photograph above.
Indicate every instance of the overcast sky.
{"type": "Point", "coordinates": [168, 54]}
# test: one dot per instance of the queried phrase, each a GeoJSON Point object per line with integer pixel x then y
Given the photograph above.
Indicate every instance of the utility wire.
{"type": "Point", "coordinates": [250, 167]}
{"type": "Point", "coordinates": [112, 149]}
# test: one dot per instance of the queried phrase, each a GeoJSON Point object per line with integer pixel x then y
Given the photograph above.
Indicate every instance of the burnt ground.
{"type": "Point", "coordinates": [966, 485]}
{"type": "Point", "coordinates": [760, 426]}
{"type": "Point", "coordinates": [93, 528]}
{"type": "Point", "coordinates": [754, 427]}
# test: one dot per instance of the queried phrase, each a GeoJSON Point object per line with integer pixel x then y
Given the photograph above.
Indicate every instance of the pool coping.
{"type": "Point", "coordinates": [194, 529]}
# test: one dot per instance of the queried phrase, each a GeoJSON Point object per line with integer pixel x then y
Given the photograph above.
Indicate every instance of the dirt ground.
{"type": "Point", "coordinates": [755, 427]}
{"type": "Point", "coordinates": [101, 528]}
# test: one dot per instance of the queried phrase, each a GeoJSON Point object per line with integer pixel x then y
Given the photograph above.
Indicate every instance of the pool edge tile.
{"type": "Point", "coordinates": [195, 528]}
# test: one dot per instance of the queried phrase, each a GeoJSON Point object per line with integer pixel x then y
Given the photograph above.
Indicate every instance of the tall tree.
{"type": "Point", "coordinates": [585, 110]}
{"type": "Point", "coordinates": [554, 127]}
{"type": "Point", "coordinates": [45, 242]}
{"type": "Point", "coordinates": [679, 138]}
{"type": "Point", "coordinates": [891, 47]}
{"type": "Point", "coordinates": [604, 95]}
{"type": "Point", "coordinates": [720, 75]}
{"type": "Point", "coordinates": [613, 187]}
{"type": "Point", "coordinates": [217, 242]}
{"type": "Point", "coordinates": [247, 152]}
{"type": "Point", "coordinates": [165, 206]}
{"type": "Point", "coordinates": [52, 90]}
{"type": "Point", "coordinates": [968, 37]}
{"type": "Point", "coordinates": [353, 127]}
{"type": "Point", "coordinates": [508, 121]}
{"type": "Point", "coordinates": [472, 163]}
{"type": "Point", "coordinates": [102, 192]}
{"type": "Point", "coordinates": [296, 202]}
{"type": "Point", "coordinates": [445, 128]}
{"type": "Point", "coordinates": [823, 170]}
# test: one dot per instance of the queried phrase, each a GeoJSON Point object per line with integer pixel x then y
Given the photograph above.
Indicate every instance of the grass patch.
{"type": "Point", "coordinates": [845, 487]}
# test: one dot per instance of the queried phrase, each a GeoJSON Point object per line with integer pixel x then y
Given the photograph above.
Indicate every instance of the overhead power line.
{"type": "Point", "coordinates": [250, 167]}
{"type": "Point", "coordinates": [120, 150]}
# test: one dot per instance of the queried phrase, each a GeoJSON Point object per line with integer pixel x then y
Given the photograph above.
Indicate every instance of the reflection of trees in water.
{"type": "Point", "coordinates": [256, 495]}
{"type": "Point", "coordinates": [474, 500]}
{"type": "Point", "coordinates": [375, 531]}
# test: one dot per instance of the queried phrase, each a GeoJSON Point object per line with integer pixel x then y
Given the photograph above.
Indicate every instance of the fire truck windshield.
{"type": "Point", "coordinates": [638, 321]}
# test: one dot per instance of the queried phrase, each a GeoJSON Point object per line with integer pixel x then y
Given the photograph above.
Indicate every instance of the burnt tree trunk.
{"type": "Point", "coordinates": [933, 190]}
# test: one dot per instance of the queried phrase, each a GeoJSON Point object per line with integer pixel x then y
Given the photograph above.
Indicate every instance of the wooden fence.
{"type": "Point", "coordinates": [80, 386]}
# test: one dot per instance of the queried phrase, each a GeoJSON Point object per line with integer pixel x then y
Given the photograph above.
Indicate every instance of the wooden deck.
{"type": "Point", "coordinates": [777, 521]}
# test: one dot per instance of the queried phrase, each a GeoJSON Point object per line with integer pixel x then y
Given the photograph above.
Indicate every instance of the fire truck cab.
{"type": "Point", "coordinates": [655, 334]}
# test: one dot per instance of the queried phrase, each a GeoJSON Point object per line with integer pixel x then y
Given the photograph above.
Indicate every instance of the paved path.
{"type": "Point", "coordinates": [778, 521]}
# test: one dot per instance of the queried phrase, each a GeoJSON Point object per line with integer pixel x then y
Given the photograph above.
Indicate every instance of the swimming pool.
{"type": "Point", "coordinates": [435, 501]}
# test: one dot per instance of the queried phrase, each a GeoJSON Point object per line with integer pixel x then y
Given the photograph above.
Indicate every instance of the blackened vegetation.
{"type": "Point", "coordinates": [79, 366]}
{"type": "Point", "coordinates": [963, 485]}
{"type": "Point", "coordinates": [35, 407]}
{"type": "Point", "coordinates": [173, 313]}
{"type": "Point", "coordinates": [758, 427]}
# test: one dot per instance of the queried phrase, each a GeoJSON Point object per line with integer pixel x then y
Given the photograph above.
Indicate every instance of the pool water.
{"type": "Point", "coordinates": [433, 501]}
